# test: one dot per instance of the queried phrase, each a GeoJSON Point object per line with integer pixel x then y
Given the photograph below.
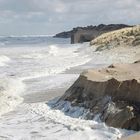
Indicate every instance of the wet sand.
{"type": "Point", "coordinates": [44, 96]}
{"type": "Point", "coordinates": [132, 137]}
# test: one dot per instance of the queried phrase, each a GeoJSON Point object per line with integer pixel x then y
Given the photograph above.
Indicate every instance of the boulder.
{"type": "Point", "coordinates": [113, 93]}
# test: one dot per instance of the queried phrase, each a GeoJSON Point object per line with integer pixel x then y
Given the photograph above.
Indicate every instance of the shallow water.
{"type": "Point", "coordinates": [39, 121]}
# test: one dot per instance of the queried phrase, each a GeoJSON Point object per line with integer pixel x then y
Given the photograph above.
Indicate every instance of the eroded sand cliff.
{"type": "Point", "coordinates": [113, 93]}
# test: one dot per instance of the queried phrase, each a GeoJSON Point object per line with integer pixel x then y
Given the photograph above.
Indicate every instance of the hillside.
{"type": "Point", "coordinates": [123, 37]}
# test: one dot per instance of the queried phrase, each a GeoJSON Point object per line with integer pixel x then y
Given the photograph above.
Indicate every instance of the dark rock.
{"type": "Point", "coordinates": [138, 61]}
{"type": "Point", "coordinates": [64, 34]}
{"type": "Point", "coordinates": [111, 66]}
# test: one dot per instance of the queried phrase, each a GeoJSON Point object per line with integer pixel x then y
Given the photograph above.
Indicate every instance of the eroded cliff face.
{"type": "Point", "coordinates": [113, 93]}
{"type": "Point", "coordinates": [123, 37]}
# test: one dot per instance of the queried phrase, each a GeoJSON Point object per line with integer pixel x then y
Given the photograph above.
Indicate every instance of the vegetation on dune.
{"type": "Point", "coordinates": [123, 37]}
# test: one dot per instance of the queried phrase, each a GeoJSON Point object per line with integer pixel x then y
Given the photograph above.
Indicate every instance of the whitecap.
{"type": "Point", "coordinates": [3, 60]}
{"type": "Point", "coordinates": [53, 50]}
{"type": "Point", "coordinates": [9, 94]}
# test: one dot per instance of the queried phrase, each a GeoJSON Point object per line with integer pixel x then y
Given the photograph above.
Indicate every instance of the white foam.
{"type": "Point", "coordinates": [3, 60]}
{"type": "Point", "coordinates": [40, 121]}
{"type": "Point", "coordinates": [34, 56]}
{"type": "Point", "coordinates": [29, 65]}
{"type": "Point", "coordinates": [9, 94]}
{"type": "Point", "coordinates": [49, 61]}
{"type": "Point", "coordinates": [28, 62]}
{"type": "Point", "coordinates": [53, 50]}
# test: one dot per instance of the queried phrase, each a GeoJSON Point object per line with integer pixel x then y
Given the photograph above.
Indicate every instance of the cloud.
{"type": "Point", "coordinates": [47, 5]}
{"type": "Point", "coordinates": [57, 15]}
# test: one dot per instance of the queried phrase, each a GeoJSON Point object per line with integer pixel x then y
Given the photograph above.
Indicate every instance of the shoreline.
{"type": "Point", "coordinates": [41, 96]}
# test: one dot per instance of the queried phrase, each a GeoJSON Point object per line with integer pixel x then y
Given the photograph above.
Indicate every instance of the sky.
{"type": "Point", "coordinates": [47, 17]}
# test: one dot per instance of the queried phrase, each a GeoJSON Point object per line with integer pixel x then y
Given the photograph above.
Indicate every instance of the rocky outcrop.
{"type": "Point", "coordinates": [86, 34]}
{"type": "Point", "coordinates": [64, 34]}
{"type": "Point", "coordinates": [113, 93]}
{"type": "Point", "coordinates": [123, 37]}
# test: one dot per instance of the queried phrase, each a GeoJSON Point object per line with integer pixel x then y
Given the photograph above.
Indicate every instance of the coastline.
{"type": "Point", "coordinates": [80, 94]}
{"type": "Point", "coordinates": [35, 102]}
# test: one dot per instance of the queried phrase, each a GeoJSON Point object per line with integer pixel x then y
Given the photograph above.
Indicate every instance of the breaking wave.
{"type": "Point", "coordinates": [53, 50]}
{"type": "Point", "coordinates": [33, 62]}
{"type": "Point", "coordinates": [41, 68]}
{"type": "Point", "coordinates": [9, 94]}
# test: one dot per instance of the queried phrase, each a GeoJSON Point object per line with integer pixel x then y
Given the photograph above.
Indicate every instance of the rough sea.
{"type": "Point", "coordinates": [35, 70]}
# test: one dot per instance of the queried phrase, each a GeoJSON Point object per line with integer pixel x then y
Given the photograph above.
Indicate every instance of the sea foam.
{"type": "Point", "coordinates": [3, 60]}
{"type": "Point", "coordinates": [9, 94]}
{"type": "Point", "coordinates": [36, 67]}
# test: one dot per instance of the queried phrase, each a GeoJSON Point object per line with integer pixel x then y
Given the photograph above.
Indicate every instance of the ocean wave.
{"type": "Point", "coordinates": [27, 36]}
{"type": "Point", "coordinates": [54, 59]}
{"type": "Point", "coordinates": [31, 39]}
{"type": "Point", "coordinates": [53, 50]}
{"type": "Point", "coordinates": [34, 62]}
{"type": "Point", "coordinates": [9, 94]}
{"type": "Point", "coordinates": [34, 56]}
{"type": "Point", "coordinates": [71, 118]}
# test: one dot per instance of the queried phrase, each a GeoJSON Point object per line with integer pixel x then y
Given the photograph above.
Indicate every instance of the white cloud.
{"type": "Point", "coordinates": [65, 14]}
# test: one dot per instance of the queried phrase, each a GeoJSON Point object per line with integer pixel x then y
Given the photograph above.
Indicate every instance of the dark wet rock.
{"type": "Point", "coordinates": [138, 61]}
{"type": "Point", "coordinates": [111, 66]}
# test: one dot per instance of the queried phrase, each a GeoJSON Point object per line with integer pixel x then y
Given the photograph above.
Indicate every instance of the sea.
{"type": "Point", "coordinates": [34, 72]}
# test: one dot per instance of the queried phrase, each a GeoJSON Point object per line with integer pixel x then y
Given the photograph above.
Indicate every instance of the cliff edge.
{"type": "Point", "coordinates": [113, 93]}
{"type": "Point", "coordinates": [86, 34]}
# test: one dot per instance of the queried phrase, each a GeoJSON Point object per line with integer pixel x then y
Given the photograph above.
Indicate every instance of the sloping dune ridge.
{"type": "Point", "coordinates": [124, 37]}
